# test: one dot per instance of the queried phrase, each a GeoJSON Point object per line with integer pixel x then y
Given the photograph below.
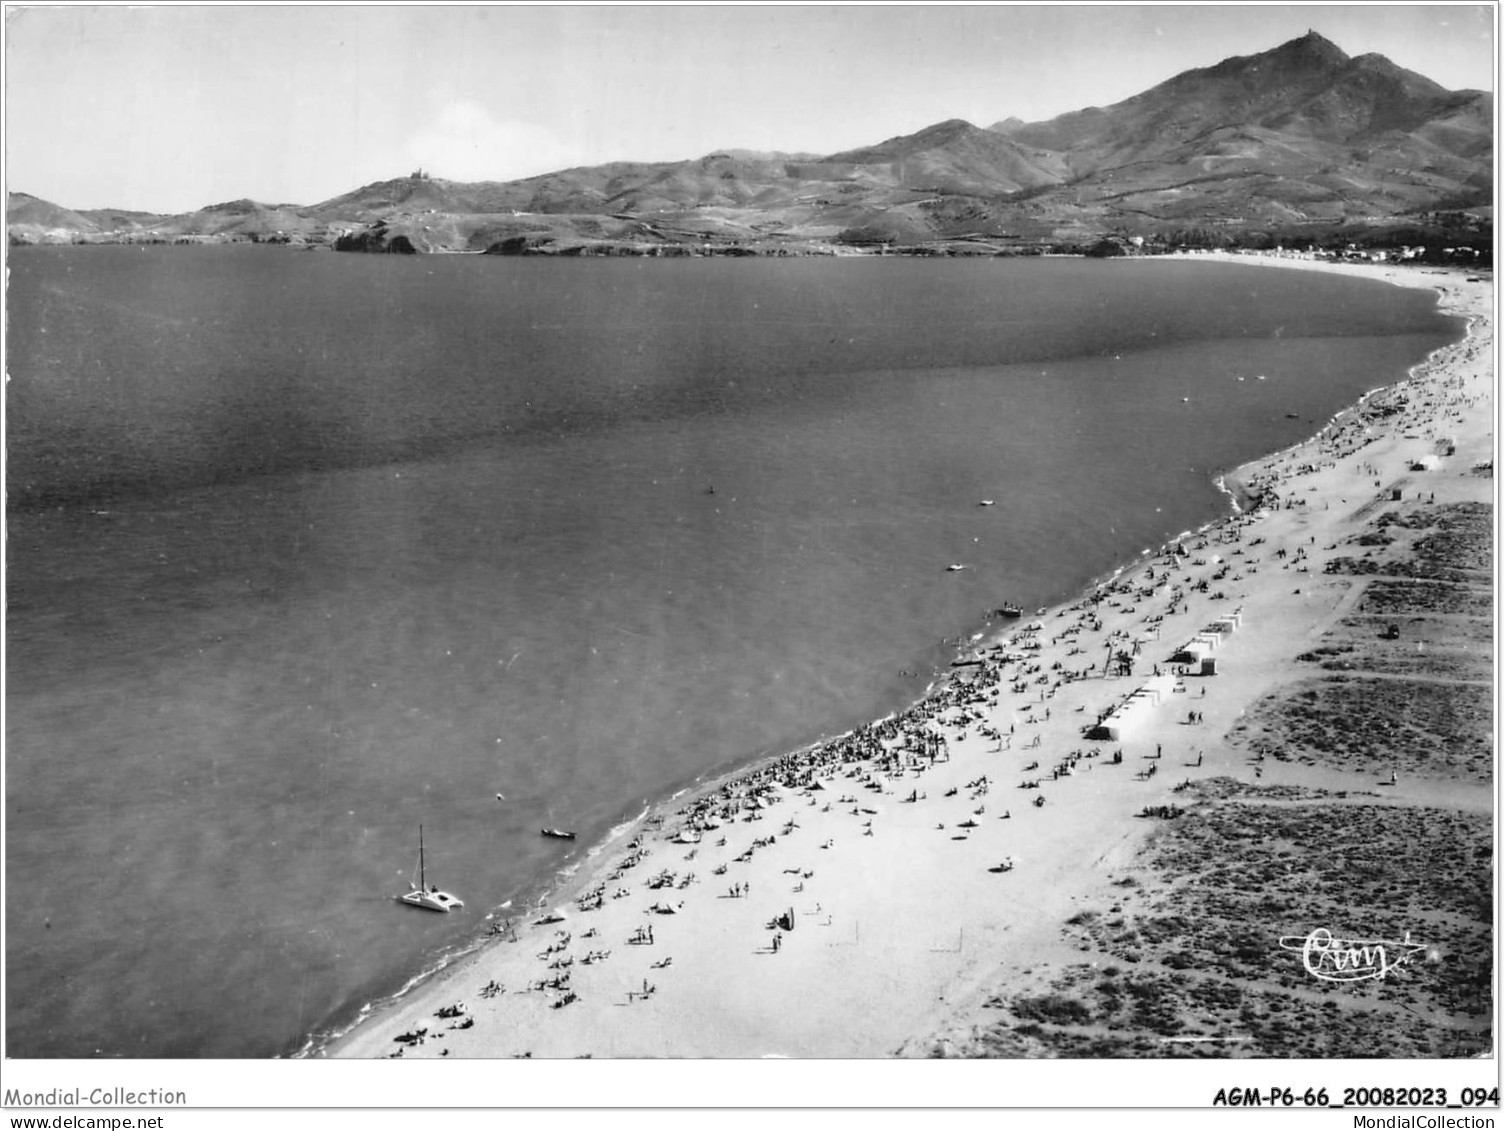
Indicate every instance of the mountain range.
{"type": "Point", "coordinates": [1298, 140]}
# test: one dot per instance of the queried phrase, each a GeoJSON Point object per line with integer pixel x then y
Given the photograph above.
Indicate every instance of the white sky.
{"type": "Point", "coordinates": [169, 108]}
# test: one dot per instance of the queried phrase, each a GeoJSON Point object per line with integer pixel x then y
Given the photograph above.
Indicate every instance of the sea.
{"type": "Point", "coordinates": [308, 550]}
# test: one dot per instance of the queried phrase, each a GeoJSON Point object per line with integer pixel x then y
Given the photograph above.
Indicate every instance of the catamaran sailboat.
{"type": "Point", "coordinates": [419, 894]}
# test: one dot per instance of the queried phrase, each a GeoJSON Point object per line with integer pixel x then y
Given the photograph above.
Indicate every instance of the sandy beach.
{"type": "Point", "coordinates": [921, 886]}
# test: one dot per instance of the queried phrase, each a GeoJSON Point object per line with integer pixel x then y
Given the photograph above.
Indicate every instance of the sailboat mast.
{"type": "Point", "coordinates": [422, 869]}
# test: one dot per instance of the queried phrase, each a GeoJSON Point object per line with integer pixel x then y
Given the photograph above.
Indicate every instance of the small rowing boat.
{"type": "Point", "coordinates": [558, 834]}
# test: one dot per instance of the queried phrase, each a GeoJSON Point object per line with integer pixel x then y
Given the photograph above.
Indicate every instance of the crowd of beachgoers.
{"type": "Point", "coordinates": [850, 898]}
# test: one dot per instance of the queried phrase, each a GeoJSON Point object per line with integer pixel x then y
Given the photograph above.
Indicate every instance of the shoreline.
{"type": "Point", "coordinates": [897, 921]}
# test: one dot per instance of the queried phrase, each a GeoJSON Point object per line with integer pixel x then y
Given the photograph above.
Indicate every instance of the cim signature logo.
{"type": "Point", "coordinates": [1354, 960]}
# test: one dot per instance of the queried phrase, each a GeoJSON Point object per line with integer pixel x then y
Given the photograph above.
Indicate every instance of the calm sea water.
{"type": "Point", "coordinates": [307, 549]}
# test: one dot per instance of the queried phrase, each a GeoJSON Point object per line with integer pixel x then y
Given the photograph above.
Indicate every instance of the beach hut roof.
{"type": "Point", "coordinates": [1161, 683]}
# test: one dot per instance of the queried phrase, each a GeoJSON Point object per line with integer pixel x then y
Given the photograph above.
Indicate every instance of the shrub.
{"type": "Point", "coordinates": [1054, 1008]}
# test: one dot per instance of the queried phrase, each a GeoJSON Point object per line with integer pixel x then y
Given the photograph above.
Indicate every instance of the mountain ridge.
{"type": "Point", "coordinates": [1299, 137]}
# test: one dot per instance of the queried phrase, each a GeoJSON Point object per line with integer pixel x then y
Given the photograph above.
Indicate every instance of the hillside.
{"type": "Point", "coordinates": [954, 157]}
{"type": "Point", "coordinates": [1301, 140]}
{"type": "Point", "coordinates": [33, 216]}
{"type": "Point", "coordinates": [1298, 134]}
